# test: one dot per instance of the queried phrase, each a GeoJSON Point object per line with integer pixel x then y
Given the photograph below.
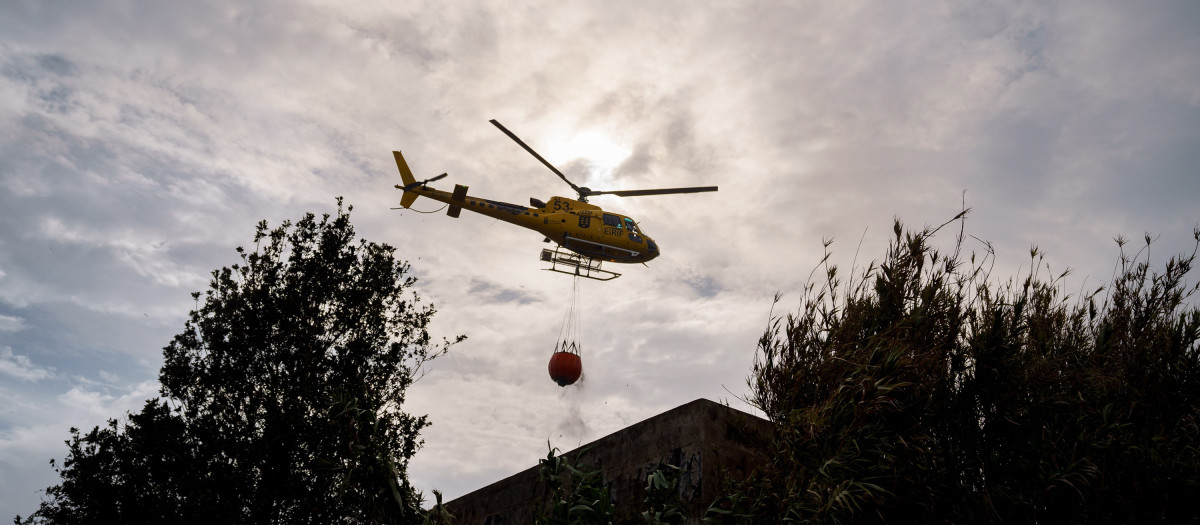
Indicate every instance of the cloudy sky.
{"type": "Point", "coordinates": [140, 141]}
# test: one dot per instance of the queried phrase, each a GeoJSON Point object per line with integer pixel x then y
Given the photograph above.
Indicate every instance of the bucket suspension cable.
{"type": "Point", "coordinates": [567, 333]}
{"type": "Point", "coordinates": [565, 365]}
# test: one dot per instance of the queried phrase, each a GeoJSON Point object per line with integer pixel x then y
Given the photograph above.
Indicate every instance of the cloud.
{"type": "Point", "coordinates": [103, 403]}
{"type": "Point", "coordinates": [495, 293]}
{"type": "Point", "coordinates": [21, 367]}
{"type": "Point", "coordinates": [34, 425]}
{"type": "Point", "coordinates": [10, 323]}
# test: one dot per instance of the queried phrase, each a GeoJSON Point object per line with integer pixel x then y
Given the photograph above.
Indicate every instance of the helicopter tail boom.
{"type": "Point", "coordinates": [409, 196]}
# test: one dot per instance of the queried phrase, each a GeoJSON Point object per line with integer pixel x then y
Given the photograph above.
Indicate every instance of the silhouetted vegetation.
{"type": "Point", "coordinates": [662, 502]}
{"type": "Point", "coordinates": [577, 493]}
{"type": "Point", "coordinates": [922, 391]}
{"type": "Point", "coordinates": [281, 397]}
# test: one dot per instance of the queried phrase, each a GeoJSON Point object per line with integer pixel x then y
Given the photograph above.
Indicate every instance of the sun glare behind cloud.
{"type": "Point", "coordinates": [600, 152]}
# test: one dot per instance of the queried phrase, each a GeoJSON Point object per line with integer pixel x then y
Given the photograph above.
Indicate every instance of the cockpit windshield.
{"type": "Point", "coordinates": [629, 224]}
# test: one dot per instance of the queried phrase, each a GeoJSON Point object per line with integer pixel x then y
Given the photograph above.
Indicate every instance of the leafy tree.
{"type": "Point", "coordinates": [131, 472]}
{"type": "Point", "coordinates": [281, 397]}
{"type": "Point", "coordinates": [922, 391]}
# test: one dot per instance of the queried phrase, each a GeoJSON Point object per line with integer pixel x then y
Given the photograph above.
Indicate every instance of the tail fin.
{"type": "Point", "coordinates": [405, 174]}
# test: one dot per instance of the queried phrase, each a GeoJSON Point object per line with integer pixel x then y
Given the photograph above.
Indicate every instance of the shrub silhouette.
{"type": "Point", "coordinates": [920, 390]}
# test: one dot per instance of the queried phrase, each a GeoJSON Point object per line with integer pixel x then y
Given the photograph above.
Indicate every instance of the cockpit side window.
{"type": "Point", "coordinates": [630, 225]}
{"type": "Point", "coordinates": [612, 220]}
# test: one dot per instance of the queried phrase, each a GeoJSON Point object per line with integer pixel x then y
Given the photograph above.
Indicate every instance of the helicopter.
{"type": "Point", "coordinates": [586, 235]}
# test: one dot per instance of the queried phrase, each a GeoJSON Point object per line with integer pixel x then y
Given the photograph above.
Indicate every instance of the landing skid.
{"type": "Point", "coordinates": [572, 263]}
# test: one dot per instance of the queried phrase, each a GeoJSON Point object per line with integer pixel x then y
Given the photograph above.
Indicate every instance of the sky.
{"type": "Point", "coordinates": [141, 141]}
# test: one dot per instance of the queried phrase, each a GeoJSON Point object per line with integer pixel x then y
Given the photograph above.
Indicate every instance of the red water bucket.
{"type": "Point", "coordinates": [565, 368]}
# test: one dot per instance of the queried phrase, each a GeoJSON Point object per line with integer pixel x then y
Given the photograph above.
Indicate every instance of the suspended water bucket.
{"type": "Point", "coordinates": [565, 368]}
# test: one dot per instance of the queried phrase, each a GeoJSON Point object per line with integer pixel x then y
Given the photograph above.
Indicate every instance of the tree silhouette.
{"type": "Point", "coordinates": [281, 397]}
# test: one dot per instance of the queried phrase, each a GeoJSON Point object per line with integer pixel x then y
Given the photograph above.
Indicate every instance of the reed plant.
{"type": "Point", "coordinates": [923, 389]}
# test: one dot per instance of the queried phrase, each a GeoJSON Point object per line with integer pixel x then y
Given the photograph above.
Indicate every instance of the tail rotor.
{"type": "Point", "coordinates": [410, 182]}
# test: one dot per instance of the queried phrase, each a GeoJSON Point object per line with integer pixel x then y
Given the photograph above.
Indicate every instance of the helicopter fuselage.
{"type": "Point", "coordinates": [581, 227]}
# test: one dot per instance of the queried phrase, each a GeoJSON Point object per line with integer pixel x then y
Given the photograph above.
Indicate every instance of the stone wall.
{"type": "Point", "coordinates": [706, 440]}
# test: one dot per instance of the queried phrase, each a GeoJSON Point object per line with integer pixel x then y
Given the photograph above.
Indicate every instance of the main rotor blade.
{"type": "Point", "coordinates": [665, 191]}
{"type": "Point", "coordinates": [535, 154]}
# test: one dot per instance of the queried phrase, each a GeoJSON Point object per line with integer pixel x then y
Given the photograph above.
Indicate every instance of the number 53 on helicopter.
{"type": "Point", "coordinates": [586, 235]}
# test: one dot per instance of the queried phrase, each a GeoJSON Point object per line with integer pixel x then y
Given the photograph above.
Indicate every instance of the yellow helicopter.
{"type": "Point", "coordinates": [590, 234]}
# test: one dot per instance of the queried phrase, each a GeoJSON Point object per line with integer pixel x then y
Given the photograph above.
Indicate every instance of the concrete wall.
{"type": "Point", "coordinates": [706, 440]}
